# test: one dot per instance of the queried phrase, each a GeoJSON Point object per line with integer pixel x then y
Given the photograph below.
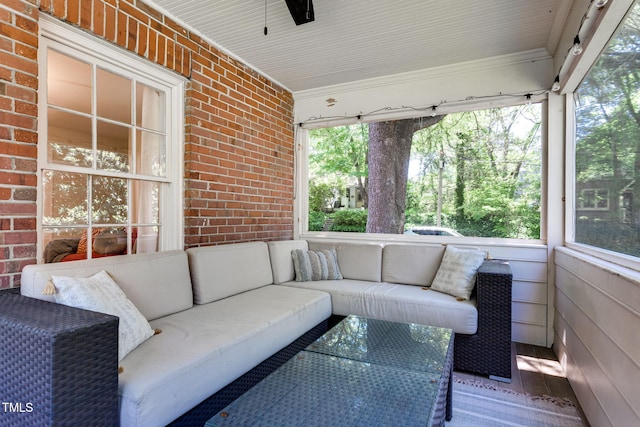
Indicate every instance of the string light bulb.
{"type": "Point", "coordinates": [556, 84]}
{"type": "Point", "coordinates": [424, 110]}
{"type": "Point", "coordinates": [577, 46]}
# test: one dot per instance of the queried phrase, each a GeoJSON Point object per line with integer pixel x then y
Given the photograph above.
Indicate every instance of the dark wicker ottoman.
{"type": "Point", "coordinates": [362, 372]}
{"type": "Point", "coordinates": [58, 364]}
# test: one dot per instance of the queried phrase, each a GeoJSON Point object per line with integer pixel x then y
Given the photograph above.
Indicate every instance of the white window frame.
{"type": "Point", "coordinates": [75, 43]}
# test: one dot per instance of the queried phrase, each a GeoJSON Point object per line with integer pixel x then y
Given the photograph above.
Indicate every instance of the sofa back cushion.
{"type": "Point", "coordinates": [411, 264]}
{"type": "Point", "coordinates": [158, 284]}
{"type": "Point", "coordinates": [281, 260]}
{"type": "Point", "coordinates": [357, 261]}
{"type": "Point", "coordinates": [222, 271]}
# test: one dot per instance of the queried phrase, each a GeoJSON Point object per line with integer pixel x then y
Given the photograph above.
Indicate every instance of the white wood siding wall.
{"type": "Point", "coordinates": [528, 262]}
{"type": "Point", "coordinates": [529, 292]}
{"type": "Point", "coordinates": [597, 327]}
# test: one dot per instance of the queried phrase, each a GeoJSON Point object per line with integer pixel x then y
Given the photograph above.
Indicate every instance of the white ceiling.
{"type": "Point", "coordinates": [358, 39]}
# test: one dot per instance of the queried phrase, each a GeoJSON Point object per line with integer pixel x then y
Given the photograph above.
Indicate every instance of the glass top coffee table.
{"type": "Point", "coordinates": [362, 372]}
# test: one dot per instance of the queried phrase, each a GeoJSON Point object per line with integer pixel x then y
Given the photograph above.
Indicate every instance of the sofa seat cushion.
{"type": "Point", "coordinates": [202, 349]}
{"type": "Point", "coordinates": [398, 303]}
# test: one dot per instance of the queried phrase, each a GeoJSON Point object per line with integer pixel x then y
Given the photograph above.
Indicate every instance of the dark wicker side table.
{"type": "Point", "coordinates": [58, 364]}
{"type": "Point", "coordinates": [488, 351]}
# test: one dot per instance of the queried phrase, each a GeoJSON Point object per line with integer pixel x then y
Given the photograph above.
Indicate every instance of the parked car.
{"type": "Point", "coordinates": [430, 230]}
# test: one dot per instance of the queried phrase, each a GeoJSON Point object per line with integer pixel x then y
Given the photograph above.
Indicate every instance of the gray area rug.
{"type": "Point", "coordinates": [479, 405]}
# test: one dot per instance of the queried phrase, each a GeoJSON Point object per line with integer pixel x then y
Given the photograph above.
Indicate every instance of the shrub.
{"type": "Point", "coordinates": [316, 220]}
{"type": "Point", "coordinates": [353, 220]}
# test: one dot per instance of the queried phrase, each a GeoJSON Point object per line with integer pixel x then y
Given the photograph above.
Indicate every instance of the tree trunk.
{"type": "Point", "coordinates": [460, 175]}
{"type": "Point", "coordinates": [388, 157]}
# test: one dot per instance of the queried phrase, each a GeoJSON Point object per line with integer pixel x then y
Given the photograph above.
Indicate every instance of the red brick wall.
{"type": "Point", "coordinates": [238, 132]}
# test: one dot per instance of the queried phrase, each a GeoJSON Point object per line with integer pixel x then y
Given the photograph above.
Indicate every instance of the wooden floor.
{"type": "Point", "coordinates": [535, 371]}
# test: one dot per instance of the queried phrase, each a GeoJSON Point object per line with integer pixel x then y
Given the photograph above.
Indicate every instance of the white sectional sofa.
{"type": "Point", "coordinates": [219, 315]}
{"type": "Point", "coordinates": [225, 311]}
{"type": "Point", "coordinates": [375, 279]}
{"type": "Point", "coordinates": [390, 281]}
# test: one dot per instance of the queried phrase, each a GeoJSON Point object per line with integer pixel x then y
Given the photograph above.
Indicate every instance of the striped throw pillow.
{"type": "Point", "coordinates": [315, 265]}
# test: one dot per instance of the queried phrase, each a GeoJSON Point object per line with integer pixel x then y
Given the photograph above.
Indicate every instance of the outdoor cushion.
{"type": "Point", "coordinates": [397, 303]}
{"type": "Point", "coordinates": [157, 283]}
{"type": "Point", "coordinates": [411, 264]}
{"type": "Point", "coordinates": [221, 271]}
{"type": "Point", "coordinates": [280, 255]}
{"type": "Point", "coordinates": [358, 261]}
{"type": "Point", "coordinates": [100, 293]}
{"type": "Point", "coordinates": [203, 349]}
{"type": "Point", "coordinates": [315, 265]}
{"type": "Point", "coordinates": [457, 272]}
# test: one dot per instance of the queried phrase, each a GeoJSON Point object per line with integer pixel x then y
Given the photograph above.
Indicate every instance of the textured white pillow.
{"type": "Point", "coordinates": [457, 271]}
{"type": "Point", "coordinates": [316, 265]}
{"type": "Point", "coordinates": [100, 293]}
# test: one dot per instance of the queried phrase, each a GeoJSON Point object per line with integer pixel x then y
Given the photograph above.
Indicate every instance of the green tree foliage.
{"type": "Point", "coordinates": [320, 196]}
{"type": "Point", "coordinates": [490, 166]}
{"type": "Point", "coordinates": [487, 162]}
{"type": "Point", "coordinates": [338, 156]}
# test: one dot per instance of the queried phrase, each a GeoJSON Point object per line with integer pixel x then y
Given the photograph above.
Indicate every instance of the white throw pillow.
{"type": "Point", "coordinates": [457, 271]}
{"type": "Point", "coordinates": [100, 293]}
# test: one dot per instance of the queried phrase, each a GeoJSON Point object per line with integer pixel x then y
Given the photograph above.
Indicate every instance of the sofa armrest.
{"type": "Point", "coordinates": [488, 351]}
{"type": "Point", "coordinates": [58, 364]}
{"type": "Point", "coordinates": [493, 287]}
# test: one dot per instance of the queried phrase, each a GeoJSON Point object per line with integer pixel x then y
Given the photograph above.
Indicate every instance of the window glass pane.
{"type": "Point", "coordinates": [64, 198]}
{"type": "Point", "coordinates": [607, 157]}
{"type": "Point", "coordinates": [113, 96]}
{"type": "Point", "coordinates": [113, 147]}
{"type": "Point", "coordinates": [150, 104]}
{"type": "Point", "coordinates": [109, 201]}
{"type": "Point", "coordinates": [60, 243]}
{"type": "Point", "coordinates": [151, 154]}
{"type": "Point", "coordinates": [69, 138]}
{"type": "Point", "coordinates": [145, 202]}
{"type": "Point", "coordinates": [466, 174]}
{"type": "Point", "coordinates": [68, 82]}
{"type": "Point", "coordinates": [110, 241]}
{"type": "Point", "coordinates": [146, 239]}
